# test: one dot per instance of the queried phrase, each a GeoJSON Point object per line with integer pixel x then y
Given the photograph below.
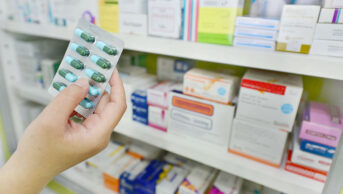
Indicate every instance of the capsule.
{"type": "Point", "coordinates": [87, 104]}
{"type": "Point", "coordinates": [59, 86]}
{"type": "Point", "coordinates": [84, 35]}
{"type": "Point", "coordinates": [107, 49]}
{"type": "Point", "coordinates": [93, 91]}
{"type": "Point", "coordinates": [83, 51]}
{"type": "Point", "coordinates": [94, 75]}
{"type": "Point", "coordinates": [77, 64]}
{"type": "Point", "coordinates": [103, 63]}
{"type": "Point", "coordinates": [68, 75]}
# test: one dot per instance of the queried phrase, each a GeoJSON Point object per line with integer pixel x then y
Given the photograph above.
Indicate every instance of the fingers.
{"type": "Point", "coordinates": [117, 87]}
{"type": "Point", "coordinates": [103, 102]}
{"type": "Point", "coordinates": [65, 102]}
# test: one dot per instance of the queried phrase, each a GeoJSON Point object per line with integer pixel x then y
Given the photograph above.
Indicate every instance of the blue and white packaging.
{"type": "Point", "coordinates": [140, 110]}
{"type": "Point", "coordinates": [128, 177]}
{"type": "Point", "coordinates": [140, 119]}
{"type": "Point", "coordinates": [171, 183]}
{"type": "Point", "coordinates": [254, 43]}
{"type": "Point", "coordinates": [254, 33]}
{"type": "Point", "coordinates": [260, 23]}
{"type": "Point", "coordinates": [318, 149]}
{"type": "Point", "coordinates": [139, 98]}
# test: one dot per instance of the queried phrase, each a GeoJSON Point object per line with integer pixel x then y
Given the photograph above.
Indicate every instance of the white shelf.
{"type": "Point", "coordinates": [318, 66]}
{"type": "Point", "coordinates": [272, 177]}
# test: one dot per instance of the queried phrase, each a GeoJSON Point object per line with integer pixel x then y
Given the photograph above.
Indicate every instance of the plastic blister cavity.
{"type": "Point", "coordinates": [92, 54]}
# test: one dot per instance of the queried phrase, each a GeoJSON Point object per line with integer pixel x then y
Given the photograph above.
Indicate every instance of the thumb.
{"type": "Point", "coordinates": [66, 101]}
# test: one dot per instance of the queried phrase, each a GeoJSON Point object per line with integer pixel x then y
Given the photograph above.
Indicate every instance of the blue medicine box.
{"type": "Point", "coordinates": [318, 149]}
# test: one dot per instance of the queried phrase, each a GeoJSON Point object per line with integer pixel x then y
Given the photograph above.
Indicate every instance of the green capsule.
{"type": "Point", "coordinates": [103, 63]}
{"type": "Point", "coordinates": [59, 86]}
{"type": "Point", "coordinates": [77, 64]}
{"type": "Point", "coordinates": [83, 51]}
{"type": "Point", "coordinates": [68, 75]}
{"type": "Point", "coordinates": [94, 75]}
{"type": "Point", "coordinates": [107, 49]}
{"type": "Point", "coordinates": [87, 104]}
{"type": "Point", "coordinates": [84, 35]}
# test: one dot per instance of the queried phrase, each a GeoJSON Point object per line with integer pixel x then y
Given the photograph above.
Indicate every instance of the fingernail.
{"type": "Point", "coordinates": [83, 83]}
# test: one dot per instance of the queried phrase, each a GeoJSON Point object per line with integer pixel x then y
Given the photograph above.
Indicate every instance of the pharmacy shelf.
{"type": "Point", "coordinates": [272, 177]}
{"type": "Point", "coordinates": [318, 66]}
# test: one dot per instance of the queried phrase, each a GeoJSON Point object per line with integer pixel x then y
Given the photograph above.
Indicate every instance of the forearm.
{"type": "Point", "coordinates": [18, 176]}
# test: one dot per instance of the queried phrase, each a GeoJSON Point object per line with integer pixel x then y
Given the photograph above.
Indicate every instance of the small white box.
{"type": "Point", "coordinates": [297, 28]}
{"type": "Point", "coordinates": [329, 32]}
{"type": "Point", "coordinates": [200, 179]}
{"type": "Point", "coordinates": [257, 141]}
{"type": "Point", "coordinates": [157, 118]}
{"type": "Point", "coordinates": [327, 48]}
{"type": "Point", "coordinates": [165, 18]}
{"type": "Point", "coordinates": [171, 183]}
{"type": "Point", "coordinates": [180, 161]}
{"type": "Point", "coordinates": [227, 183]}
{"type": "Point", "coordinates": [158, 94]}
{"type": "Point", "coordinates": [130, 23]}
{"type": "Point", "coordinates": [254, 43]}
{"type": "Point", "coordinates": [259, 23]}
{"type": "Point", "coordinates": [308, 159]}
{"type": "Point", "coordinates": [329, 16]}
{"type": "Point", "coordinates": [200, 120]}
{"type": "Point", "coordinates": [255, 33]}
{"type": "Point", "coordinates": [169, 69]}
{"type": "Point", "coordinates": [47, 66]}
{"type": "Point", "coordinates": [144, 151]}
{"type": "Point", "coordinates": [333, 3]}
{"type": "Point", "coordinates": [209, 85]}
{"type": "Point", "coordinates": [133, 6]}
{"type": "Point", "coordinates": [271, 98]}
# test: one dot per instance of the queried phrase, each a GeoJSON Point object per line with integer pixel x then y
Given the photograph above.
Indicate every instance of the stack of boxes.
{"type": "Point", "coordinates": [321, 129]}
{"type": "Point", "coordinates": [256, 33]}
{"type": "Point", "coordinates": [133, 17]}
{"type": "Point", "coordinates": [140, 109]}
{"type": "Point", "coordinates": [328, 39]}
{"type": "Point", "coordinates": [267, 107]}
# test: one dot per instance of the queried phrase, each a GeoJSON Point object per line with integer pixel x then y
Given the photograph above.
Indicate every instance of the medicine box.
{"type": "Point", "coordinates": [266, 8]}
{"type": "Point", "coordinates": [113, 171]}
{"type": "Point", "coordinates": [270, 98]}
{"type": "Point", "coordinates": [329, 32]}
{"type": "Point", "coordinates": [198, 181]}
{"type": "Point", "coordinates": [328, 16]}
{"type": "Point", "coordinates": [143, 151]}
{"type": "Point", "coordinates": [258, 23]}
{"type": "Point", "coordinates": [169, 69]}
{"type": "Point", "coordinates": [127, 178]}
{"type": "Point", "coordinates": [179, 161]}
{"type": "Point", "coordinates": [164, 18]}
{"type": "Point", "coordinates": [327, 48]}
{"type": "Point", "coordinates": [158, 118]}
{"type": "Point", "coordinates": [133, 6]}
{"type": "Point", "coordinates": [248, 32]}
{"type": "Point", "coordinates": [130, 23]}
{"type": "Point", "coordinates": [297, 28]}
{"type": "Point", "coordinates": [257, 141]}
{"type": "Point", "coordinates": [227, 183]}
{"type": "Point", "coordinates": [216, 20]}
{"type": "Point", "coordinates": [200, 120]}
{"type": "Point", "coordinates": [172, 181]}
{"type": "Point", "coordinates": [158, 94]}
{"type": "Point", "coordinates": [304, 170]}
{"type": "Point", "coordinates": [333, 3]}
{"type": "Point", "coordinates": [254, 43]}
{"type": "Point", "coordinates": [209, 85]}
{"type": "Point", "coordinates": [308, 159]}
{"type": "Point", "coordinates": [322, 124]}
{"type": "Point", "coordinates": [318, 149]}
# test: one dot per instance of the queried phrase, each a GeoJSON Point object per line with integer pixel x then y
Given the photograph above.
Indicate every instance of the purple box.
{"type": "Point", "coordinates": [322, 124]}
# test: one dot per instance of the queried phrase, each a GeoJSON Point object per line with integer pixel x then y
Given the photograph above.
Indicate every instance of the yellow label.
{"type": "Point", "coordinates": [218, 20]}
{"type": "Point", "coordinates": [342, 191]}
{"type": "Point", "coordinates": [116, 151]}
{"type": "Point", "coordinates": [109, 15]}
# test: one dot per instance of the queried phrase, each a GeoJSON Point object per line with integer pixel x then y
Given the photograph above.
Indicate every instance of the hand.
{"type": "Point", "coordinates": [52, 143]}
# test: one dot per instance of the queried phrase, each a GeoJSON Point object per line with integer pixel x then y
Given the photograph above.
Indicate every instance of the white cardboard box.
{"type": "Point", "coordinates": [169, 69]}
{"type": "Point", "coordinates": [171, 183]}
{"type": "Point", "coordinates": [330, 15]}
{"type": "Point", "coordinates": [165, 18]}
{"type": "Point", "coordinates": [255, 33]}
{"type": "Point", "coordinates": [329, 32]}
{"type": "Point", "coordinates": [158, 94]}
{"type": "Point", "coordinates": [258, 23]}
{"type": "Point", "coordinates": [271, 98]}
{"type": "Point", "coordinates": [133, 6]}
{"type": "Point", "coordinates": [333, 3]}
{"type": "Point", "coordinates": [327, 48]}
{"type": "Point", "coordinates": [227, 183]}
{"type": "Point", "coordinates": [217, 87]}
{"type": "Point", "coordinates": [254, 43]}
{"type": "Point", "coordinates": [143, 150]}
{"type": "Point", "coordinates": [200, 120]}
{"type": "Point", "coordinates": [158, 118]}
{"type": "Point", "coordinates": [131, 23]}
{"type": "Point", "coordinates": [257, 141]}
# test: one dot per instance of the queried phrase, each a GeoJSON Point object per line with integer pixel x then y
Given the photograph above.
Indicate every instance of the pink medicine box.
{"type": "Point", "coordinates": [322, 124]}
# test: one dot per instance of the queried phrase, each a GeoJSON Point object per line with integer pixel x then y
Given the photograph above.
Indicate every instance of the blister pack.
{"type": "Point", "coordinates": [93, 54]}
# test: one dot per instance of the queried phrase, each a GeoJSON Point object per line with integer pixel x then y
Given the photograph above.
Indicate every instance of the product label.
{"type": "Point", "coordinates": [109, 15]}
{"type": "Point", "coordinates": [264, 87]}
{"type": "Point", "coordinates": [193, 106]}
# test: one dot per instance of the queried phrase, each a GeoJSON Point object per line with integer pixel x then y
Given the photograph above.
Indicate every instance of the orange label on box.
{"type": "Point", "coordinates": [193, 106]}
{"type": "Point", "coordinates": [263, 86]}
{"type": "Point", "coordinates": [111, 182]}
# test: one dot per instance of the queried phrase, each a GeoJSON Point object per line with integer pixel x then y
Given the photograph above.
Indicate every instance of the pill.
{"type": "Point", "coordinates": [77, 64]}
{"type": "Point", "coordinates": [59, 86]}
{"type": "Point", "coordinates": [83, 51]}
{"type": "Point", "coordinates": [84, 35]}
{"type": "Point", "coordinates": [107, 49]}
{"type": "Point", "coordinates": [68, 75]}
{"type": "Point", "coordinates": [94, 75]}
{"type": "Point", "coordinates": [103, 63]}
{"type": "Point", "coordinates": [87, 104]}
{"type": "Point", "coordinates": [93, 91]}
